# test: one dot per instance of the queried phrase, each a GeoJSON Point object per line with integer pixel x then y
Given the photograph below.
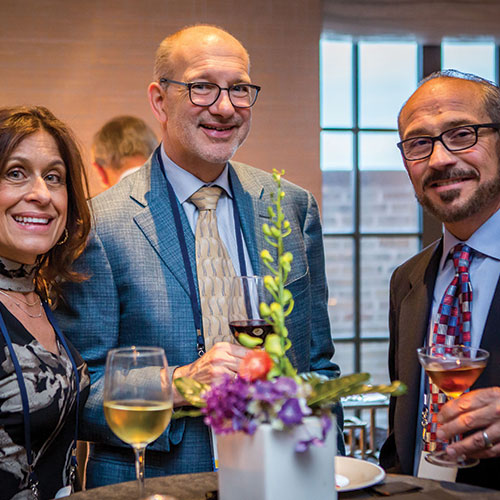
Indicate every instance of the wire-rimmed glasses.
{"type": "Point", "coordinates": [241, 95]}
{"type": "Point", "coordinates": [453, 139]}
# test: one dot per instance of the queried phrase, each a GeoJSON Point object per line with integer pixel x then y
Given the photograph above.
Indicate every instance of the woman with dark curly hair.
{"type": "Point", "coordinates": [44, 224]}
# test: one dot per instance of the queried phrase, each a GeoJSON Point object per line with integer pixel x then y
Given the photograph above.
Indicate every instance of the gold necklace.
{"type": "Point", "coordinates": [18, 304]}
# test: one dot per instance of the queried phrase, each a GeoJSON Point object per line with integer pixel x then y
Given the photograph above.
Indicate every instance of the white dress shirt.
{"type": "Point", "coordinates": [186, 184]}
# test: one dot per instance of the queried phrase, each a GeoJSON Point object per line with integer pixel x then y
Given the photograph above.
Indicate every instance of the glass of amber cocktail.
{"type": "Point", "coordinates": [453, 369]}
{"type": "Point", "coordinates": [137, 398]}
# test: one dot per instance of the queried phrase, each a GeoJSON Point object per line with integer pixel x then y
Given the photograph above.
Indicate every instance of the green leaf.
{"type": "Point", "coordinates": [275, 232]}
{"type": "Point", "coordinates": [289, 370]}
{"type": "Point", "coordinates": [330, 391]}
{"type": "Point", "coordinates": [273, 372]}
{"type": "Point", "coordinates": [191, 390]}
{"type": "Point", "coordinates": [248, 341]}
{"type": "Point", "coordinates": [186, 413]}
{"type": "Point", "coordinates": [273, 345]}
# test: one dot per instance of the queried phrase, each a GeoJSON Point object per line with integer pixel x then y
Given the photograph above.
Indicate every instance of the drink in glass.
{"type": "Point", "coordinates": [453, 369]}
{"type": "Point", "coordinates": [247, 292]}
{"type": "Point", "coordinates": [137, 398]}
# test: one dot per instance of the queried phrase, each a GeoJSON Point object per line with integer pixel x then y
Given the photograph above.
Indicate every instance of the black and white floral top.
{"type": "Point", "coordinates": [51, 392]}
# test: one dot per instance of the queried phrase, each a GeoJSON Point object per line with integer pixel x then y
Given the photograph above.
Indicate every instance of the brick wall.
{"type": "Point", "coordinates": [388, 204]}
{"type": "Point", "coordinates": [89, 61]}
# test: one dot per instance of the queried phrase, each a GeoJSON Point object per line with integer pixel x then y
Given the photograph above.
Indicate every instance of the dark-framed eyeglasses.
{"type": "Point", "coordinates": [241, 95]}
{"type": "Point", "coordinates": [454, 139]}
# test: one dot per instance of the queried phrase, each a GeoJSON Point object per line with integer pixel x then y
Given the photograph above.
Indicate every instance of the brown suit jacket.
{"type": "Point", "coordinates": [412, 287]}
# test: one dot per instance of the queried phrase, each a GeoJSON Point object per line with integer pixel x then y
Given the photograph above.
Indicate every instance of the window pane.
{"type": "Point", "coordinates": [337, 212]}
{"type": "Point", "coordinates": [378, 151]}
{"type": "Point", "coordinates": [374, 357]}
{"type": "Point", "coordinates": [336, 83]}
{"type": "Point", "coordinates": [388, 75]}
{"type": "Point", "coordinates": [388, 202]}
{"type": "Point", "coordinates": [379, 257]}
{"type": "Point", "coordinates": [344, 356]}
{"type": "Point", "coordinates": [470, 57]}
{"type": "Point", "coordinates": [336, 150]}
{"type": "Point", "coordinates": [338, 255]}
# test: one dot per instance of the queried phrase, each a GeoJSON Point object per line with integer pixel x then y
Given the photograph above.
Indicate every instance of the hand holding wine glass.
{"type": "Point", "coordinates": [476, 413]}
{"type": "Point", "coordinates": [453, 369]}
{"type": "Point", "coordinates": [137, 398]}
{"type": "Point", "coordinates": [245, 322]}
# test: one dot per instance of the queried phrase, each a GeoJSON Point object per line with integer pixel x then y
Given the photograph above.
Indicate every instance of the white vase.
{"type": "Point", "coordinates": [265, 466]}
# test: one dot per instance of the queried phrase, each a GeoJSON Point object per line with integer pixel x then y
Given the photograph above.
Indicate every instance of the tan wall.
{"type": "Point", "coordinates": [90, 60]}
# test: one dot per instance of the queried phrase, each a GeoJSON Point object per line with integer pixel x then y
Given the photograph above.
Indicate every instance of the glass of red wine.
{"type": "Point", "coordinates": [245, 322]}
{"type": "Point", "coordinates": [453, 369]}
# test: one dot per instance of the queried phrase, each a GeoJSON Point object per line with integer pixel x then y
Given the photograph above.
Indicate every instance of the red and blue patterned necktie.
{"type": "Point", "coordinates": [453, 326]}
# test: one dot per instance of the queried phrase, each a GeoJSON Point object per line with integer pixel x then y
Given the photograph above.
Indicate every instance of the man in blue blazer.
{"type": "Point", "coordinates": [138, 290]}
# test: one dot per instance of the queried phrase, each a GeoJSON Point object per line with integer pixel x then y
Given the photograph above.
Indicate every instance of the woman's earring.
{"type": "Point", "coordinates": [65, 237]}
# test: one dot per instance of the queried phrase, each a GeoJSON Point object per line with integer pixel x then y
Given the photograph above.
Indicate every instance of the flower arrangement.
{"type": "Point", "coordinates": [267, 388]}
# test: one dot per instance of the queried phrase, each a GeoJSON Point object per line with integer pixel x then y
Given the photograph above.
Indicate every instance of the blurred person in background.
{"type": "Point", "coordinates": [120, 147]}
{"type": "Point", "coordinates": [44, 226]}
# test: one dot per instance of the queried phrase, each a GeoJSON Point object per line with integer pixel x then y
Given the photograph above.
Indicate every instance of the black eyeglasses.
{"type": "Point", "coordinates": [454, 139]}
{"type": "Point", "coordinates": [241, 95]}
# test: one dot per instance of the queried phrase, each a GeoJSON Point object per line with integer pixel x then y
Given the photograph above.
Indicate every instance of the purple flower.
{"type": "Point", "coordinates": [291, 412]}
{"type": "Point", "coordinates": [264, 391]}
{"type": "Point", "coordinates": [236, 404]}
{"type": "Point", "coordinates": [271, 391]}
{"type": "Point", "coordinates": [286, 386]}
{"type": "Point", "coordinates": [326, 425]}
{"type": "Point", "coordinates": [226, 404]}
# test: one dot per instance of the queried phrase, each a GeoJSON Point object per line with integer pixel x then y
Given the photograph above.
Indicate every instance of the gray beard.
{"type": "Point", "coordinates": [484, 196]}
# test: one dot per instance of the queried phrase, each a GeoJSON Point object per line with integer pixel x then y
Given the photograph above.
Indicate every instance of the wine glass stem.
{"type": "Point", "coordinates": [455, 438]}
{"type": "Point", "coordinates": [139, 468]}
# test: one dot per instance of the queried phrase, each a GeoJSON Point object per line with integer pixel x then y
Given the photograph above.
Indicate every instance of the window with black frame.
{"type": "Point", "coordinates": [371, 220]}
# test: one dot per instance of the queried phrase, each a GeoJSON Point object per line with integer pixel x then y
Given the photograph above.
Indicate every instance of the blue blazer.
{"type": "Point", "coordinates": [137, 291]}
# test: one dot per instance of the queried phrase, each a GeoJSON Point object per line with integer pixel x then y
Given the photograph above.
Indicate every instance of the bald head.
{"type": "Point", "coordinates": [487, 92]}
{"type": "Point", "coordinates": [175, 50]}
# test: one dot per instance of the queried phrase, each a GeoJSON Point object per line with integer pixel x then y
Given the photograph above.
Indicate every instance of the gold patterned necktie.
{"type": "Point", "coordinates": [213, 266]}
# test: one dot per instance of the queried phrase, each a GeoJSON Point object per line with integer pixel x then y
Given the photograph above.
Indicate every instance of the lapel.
{"type": "Point", "coordinates": [489, 341]}
{"type": "Point", "coordinates": [413, 324]}
{"type": "Point", "coordinates": [249, 195]}
{"type": "Point", "coordinates": [156, 221]}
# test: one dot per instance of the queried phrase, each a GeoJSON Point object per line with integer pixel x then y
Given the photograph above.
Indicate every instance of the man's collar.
{"type": "Point", "coordinates": [186, 184]}
{"type": "Point", "coordinates": [484, 240]}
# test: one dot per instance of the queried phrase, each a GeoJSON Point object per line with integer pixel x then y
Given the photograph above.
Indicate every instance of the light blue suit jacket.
{"type": "Point", "coordinates": [137, 293]}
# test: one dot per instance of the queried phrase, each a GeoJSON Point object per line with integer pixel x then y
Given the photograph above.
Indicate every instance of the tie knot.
{"type": "Point", "coordinates": [462, 255]}
{"type": "Point", "coordinates": [206, 198]}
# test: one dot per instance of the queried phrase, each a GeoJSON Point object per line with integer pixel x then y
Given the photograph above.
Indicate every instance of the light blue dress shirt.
{"type": "Point", "coordinates": [484, 272]}
{"type": "Point", "coordinates": [186, 184]}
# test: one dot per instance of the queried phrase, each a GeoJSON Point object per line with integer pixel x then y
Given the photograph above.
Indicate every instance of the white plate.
{"type": "Point", "coordinates": [353, 474]}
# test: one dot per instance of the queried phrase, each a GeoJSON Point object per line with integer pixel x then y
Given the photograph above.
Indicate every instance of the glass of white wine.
{"type": "Point", "coordinates": [137, 398]}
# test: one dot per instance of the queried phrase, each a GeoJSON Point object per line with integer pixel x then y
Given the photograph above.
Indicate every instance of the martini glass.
{"type": "Point", "coordinates": [137, 399]}
{"type": "Point", "coordinates": [453, 369]}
